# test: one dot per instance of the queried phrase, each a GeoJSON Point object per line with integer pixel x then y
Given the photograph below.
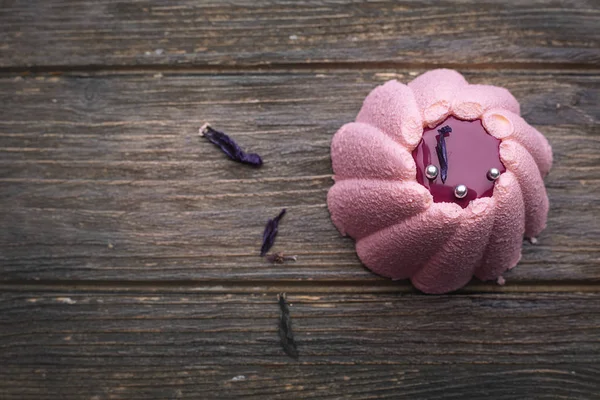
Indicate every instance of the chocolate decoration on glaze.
{"type": "Point", "coordinates": [471, 153]}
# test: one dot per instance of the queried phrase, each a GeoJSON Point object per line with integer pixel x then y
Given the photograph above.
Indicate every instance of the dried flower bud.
{"type": "Point", "coordinates": [270, 233]}
{"type": "Point", "coordinates": [288, 343]}
{"type": "Point", "coordinates": [229, 146]}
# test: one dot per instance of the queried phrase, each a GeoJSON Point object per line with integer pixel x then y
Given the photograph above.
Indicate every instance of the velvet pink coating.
{"type": "Point", "coordinates": [400, 232]}
{"type": "Point", "coordinates": [392, 108]}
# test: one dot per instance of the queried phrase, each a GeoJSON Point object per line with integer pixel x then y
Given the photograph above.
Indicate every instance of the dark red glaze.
{"type": "Point", "coordinates": [471, 153]}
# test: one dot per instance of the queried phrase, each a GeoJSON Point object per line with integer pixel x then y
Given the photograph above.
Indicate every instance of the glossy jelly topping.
{"type": "Point", "coordinates": [470, 153]}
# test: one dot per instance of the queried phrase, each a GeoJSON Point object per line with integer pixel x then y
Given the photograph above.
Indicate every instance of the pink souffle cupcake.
{"type": "Point", "coordinates": [439, 181]}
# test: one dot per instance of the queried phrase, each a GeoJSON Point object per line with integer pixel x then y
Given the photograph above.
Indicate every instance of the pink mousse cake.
{"type": "Point", "coordinates": [439, 181]}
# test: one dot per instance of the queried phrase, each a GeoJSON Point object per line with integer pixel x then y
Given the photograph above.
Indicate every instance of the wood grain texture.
{"type": "Point", "coordinates": [104, 176]}
{"type": "Point", "coordinates": [298, 381]}
{"type": "Point", "coordinates": [150, 344]}
{"type": "Point", "coordinates": [68, 33]}
{"type": "Point", "coordinates": [129, 263]}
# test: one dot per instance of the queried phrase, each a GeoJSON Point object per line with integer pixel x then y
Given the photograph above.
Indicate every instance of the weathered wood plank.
{"type": "Point", "coordinates": [151, 344]}
{"type": "Point", "coordinates": [110, 181]}
{"type": "Point", "coordinates": [67, 33]}
{"type": "Point", "coordinates": [298, 381]}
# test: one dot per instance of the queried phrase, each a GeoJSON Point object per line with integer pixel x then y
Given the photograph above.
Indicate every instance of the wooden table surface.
{"type": "Point", "coordinates": [128, 245]}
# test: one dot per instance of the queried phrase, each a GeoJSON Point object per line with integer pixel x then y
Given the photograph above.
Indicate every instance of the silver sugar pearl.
{"type": "Point", "coordinates": [493, 174]}
{"type": "Point", "coordinates": [460, 191]}
{"type": "Point", "coordinates": [431, 172]}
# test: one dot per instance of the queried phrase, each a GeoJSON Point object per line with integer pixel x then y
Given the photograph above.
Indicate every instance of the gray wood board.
{"type": "Point", "coordinates": [152, 344]}
{"type": "Point", "coordinates": [70, 33]}
{"type": "Point", "coordinates": [105, 177]}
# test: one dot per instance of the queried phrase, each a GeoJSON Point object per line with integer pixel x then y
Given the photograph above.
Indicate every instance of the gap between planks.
{"type": "Point", "coordinates": [546, 67]}
{"type": "Point", "coordinates": [298, 287]}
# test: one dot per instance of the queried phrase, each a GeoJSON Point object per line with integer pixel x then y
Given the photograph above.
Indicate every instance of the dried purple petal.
{"type": "Point", "coordinates": [270, 233]}
{"type": "Point", "coordinates": [288, 343]}
{"type": "Point", "coordinates": [280, 258]}
{"type": "Point", "coordinates": [229, 146]}
{"type": "Point", "coordinates": [442, 154]}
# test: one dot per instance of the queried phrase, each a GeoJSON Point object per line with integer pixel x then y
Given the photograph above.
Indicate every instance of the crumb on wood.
{"type": "Point", "coordinates": [66, 300]}
{"type": "Point", "coordinates": [280, 258]}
